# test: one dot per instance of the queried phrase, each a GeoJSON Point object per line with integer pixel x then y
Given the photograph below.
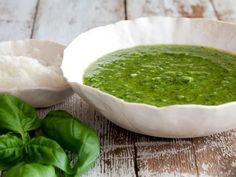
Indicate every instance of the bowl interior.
{"type": "Point", "coordinates": [97, 42]}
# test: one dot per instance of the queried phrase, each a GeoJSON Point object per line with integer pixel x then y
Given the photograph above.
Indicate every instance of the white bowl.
{"type": "Point", "coordinates": [47, 53]}
{"type": "Point", "coordinates": [180, 121]}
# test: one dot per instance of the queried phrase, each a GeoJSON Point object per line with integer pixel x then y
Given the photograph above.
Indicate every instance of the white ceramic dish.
{"type": "Point", "coordinates": [181, 121]}
{"type": "Point", "coordinates": [47, 53]}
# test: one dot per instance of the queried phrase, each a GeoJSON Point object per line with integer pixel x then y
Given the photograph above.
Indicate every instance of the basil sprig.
{"type": "Point", "coordinates": [17, 116]}
{"type": "Point", "coordinates": [11, 151]}
{"type": "Point", "coordinates": [31, 170]}
{"type": "Point", "coordinates": [25, 156]}
{"type": "Point", "coordinates": [75, 136]}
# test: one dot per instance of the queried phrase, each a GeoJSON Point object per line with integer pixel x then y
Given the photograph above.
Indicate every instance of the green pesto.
{"type": "Point", "coordinates": [162, 75]}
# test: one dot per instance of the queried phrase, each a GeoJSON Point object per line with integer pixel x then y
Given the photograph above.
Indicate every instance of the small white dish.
{"type": "Point", "coordinates": [176, 121]}
{"type": "Point", "coordinates": [47, 53]}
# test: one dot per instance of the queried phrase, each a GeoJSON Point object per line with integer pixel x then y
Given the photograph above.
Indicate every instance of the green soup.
{"type": "Point", "coordinates": [164, 75]}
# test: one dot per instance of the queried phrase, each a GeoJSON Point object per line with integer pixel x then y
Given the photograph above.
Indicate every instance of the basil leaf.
{"type": "Point", "coordinates": [31, 170]}
{"type": "Point", "coordinates": [73, 135]}
{"type": "Point", "coordinates": [16, 115]}
{"type": "Point", "coordinates": [11, 151]}
{"type": "Point", "coordinates": [47, 151]}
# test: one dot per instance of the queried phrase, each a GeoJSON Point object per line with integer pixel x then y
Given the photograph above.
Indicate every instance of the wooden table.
{"type": "Point", "coordinates": [124, 153]}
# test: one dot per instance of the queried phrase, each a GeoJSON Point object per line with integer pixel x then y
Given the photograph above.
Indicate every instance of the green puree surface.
{"type": "Point", "coordinates": [162, 75]}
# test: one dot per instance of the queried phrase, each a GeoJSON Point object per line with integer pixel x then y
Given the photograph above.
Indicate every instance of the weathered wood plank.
{"type": "Point", "coordinates": [62, 21]}
{"type": "Point", "coordinates": [216, 154]}
{"type": "Point", "coordinates": [16, 19]}
{"type": "Point", "coordinates": [165, 157]}
{"type": "Point", "coordinates": [225, 10]}
{"type": "Point", "coordinates": [176, 8]}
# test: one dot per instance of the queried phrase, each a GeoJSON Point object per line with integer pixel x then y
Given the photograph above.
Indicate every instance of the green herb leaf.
{"type": "Point", "coordinates": [47, 151]}
{"type": "Point", "coordinates": [11, 151]}
{"type": "Point", "coordinates": [73, 135]}
{"type": "Point", "coordinates": [31, 170]}
{"type": "Point", "coordinates": [16, 115]}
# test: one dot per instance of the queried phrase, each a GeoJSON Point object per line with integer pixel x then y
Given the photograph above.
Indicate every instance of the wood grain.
{"type": "Point", "coordinates": [16, 19]}
{"type": "Point", "coordinates": [62, 21]}
{"type": "Point", "coordinates": [225, 10]}
{"type": "Point", "coordinates": [165, 157]}
{"type": "Point", "coordinates": [216, 154]}
{"type": "Point", "coordinates": [176, 8]}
